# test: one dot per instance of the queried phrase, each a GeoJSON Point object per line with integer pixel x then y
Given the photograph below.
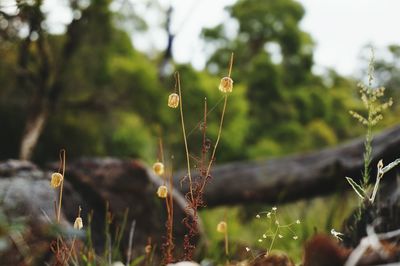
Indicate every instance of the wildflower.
{"type": "Point", "coordinates": [336, 234]}
{"type": "Point", "coordinates": [295, 237]}
{"type": "Point", "coordinates": [264, 236]}
{"type": "Point", "coordinates": [56, 179]}
{"type": "Point", "coordinates": [280, 236]}
{"type": "Point", "coordinates": [162, 192]}
{"type": "Point", "coordinates": [274, 208]}
{"type": "Point", "coordinates": [269, 215]}
{"type": "Point", "coordinates": [173, 100]}
{"type": "Point", "coordinates": [78, 224]}
{"type": "Point", "coordinates": [297, 221]}
{"type": "Point", "coordinates": [248, 249]}
{"type": "Point", "coordinates": [221, 227]}
{"type": "Point", "coordinates": [158, 168]}
{"type": "Point", "coordinates": [260, 240]}
{"type": "Point", "coordinates": [258, 216]}
{"type": "Point", "coordinates": [226, 85]}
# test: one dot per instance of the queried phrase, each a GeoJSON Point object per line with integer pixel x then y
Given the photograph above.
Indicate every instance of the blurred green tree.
{"type": "Point", "coordinates": [90, 70]}
{"type": "Point", "coordinates": [289, 103]}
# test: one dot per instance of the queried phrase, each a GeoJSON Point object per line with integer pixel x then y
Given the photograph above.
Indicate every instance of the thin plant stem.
{"type": "Point", "coordinates": [368, 151]}
{"type": "Point", "coordinates": [62, 158]}
{"type": "Point", "coordinates": [226, 237]}
{"type": "Point", "coordinates": [208, 113]}
{"type": "Point", "coordinates": [161, 158]}
{"type": "Point", "coordinates": [218, 137]}
{"type": "Point", "coordinates": [273, 240]}
{"type": "Point", "coordinates": [184, 135]}
{"type": "Point", "coordinates": [230, 65]}
{"type": "Point", "coordinates": [220, 126]}
{"type": "Point", "coordinates": [131, 232]}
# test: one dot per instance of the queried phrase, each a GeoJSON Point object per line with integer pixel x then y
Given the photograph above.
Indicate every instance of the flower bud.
{"type": "Point", "coordinates": [221, 227]}
{"type": "Point", "coordinates": [56, 179]}
{"type": "Point", "coordinates": [78, 224]}
{"type": "Point", "coordinates": [226, 85]}
{"type": "Point", "coordinates": [162, 192]}
{"type": "Point", "coordinates": [173, 100]}
{"type": "Point", "coordinates": [158, 168]}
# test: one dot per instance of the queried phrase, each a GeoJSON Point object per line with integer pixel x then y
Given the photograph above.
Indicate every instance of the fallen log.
{"type": "Point", "coordinates": [298, 176]}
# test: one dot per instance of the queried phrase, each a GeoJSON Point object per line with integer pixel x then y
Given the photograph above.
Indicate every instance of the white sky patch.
{"type": "Point", "coordinates": [340, 28]}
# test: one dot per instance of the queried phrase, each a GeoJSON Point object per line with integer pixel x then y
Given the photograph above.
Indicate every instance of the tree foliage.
{"type": "Point", "coordinates": [104, 97]}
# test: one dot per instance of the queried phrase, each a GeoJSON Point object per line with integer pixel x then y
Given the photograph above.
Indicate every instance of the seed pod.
{"type": "Point", "coordinates": [162, 192]}
{"type": "Point", "coordinates": [56, 179]}
{"type": "Point", "coordinates": [221, 227]}
{"type": "Point", "coordinates": [147, 249]}
{"type": "Point", "coordinates": [158, 168]}
{"type": "Point", "coordinates": [173, 100]}
{"type": "Point", "coordinates": [78, 224]}
{"type": "Point", "coordinates": [226, 85]}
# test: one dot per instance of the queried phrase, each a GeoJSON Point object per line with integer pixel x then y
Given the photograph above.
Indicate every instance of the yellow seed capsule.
{"type": "Point", "coordinates": [162, 192]}
{"type": "Point", "coordinates": [173, 100]}
{"type": "Point", "coordinates": [147, 249]}
{"type": "Point", "coordinates": [226, 85]}
{"type": "Point", "coordinates": [221, 227]}
{"type": "Point", "coordinates": [158, 168]}
{"type": "Point", "coordinates": [56, 179]}
{"type": "Point", "coordinates": [78, 224]}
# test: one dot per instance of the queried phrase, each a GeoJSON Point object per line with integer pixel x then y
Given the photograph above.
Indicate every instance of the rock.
{"type": "Point", "coordinates": [25, 194]}
{"type": "Point", "coordinates": [94, 182]}
{"type": "Point", "coordinates": [26, 214]}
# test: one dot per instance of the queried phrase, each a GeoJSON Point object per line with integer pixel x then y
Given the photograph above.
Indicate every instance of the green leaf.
{"type": "Point", "coordinates": [137, 260]}
{"type": "Point", "coordinates": [356, 187]}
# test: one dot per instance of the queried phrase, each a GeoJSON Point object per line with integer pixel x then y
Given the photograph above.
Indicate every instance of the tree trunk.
{"type": "Point", "coordinates": [298, 176]}
{"type": "Point", "coordinates": [33, 129]}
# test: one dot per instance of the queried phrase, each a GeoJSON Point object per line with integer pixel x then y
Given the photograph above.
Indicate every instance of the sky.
{"type": "Point", "coordinates": [340, 28]}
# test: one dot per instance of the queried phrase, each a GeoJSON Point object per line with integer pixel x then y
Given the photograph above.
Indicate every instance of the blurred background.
{"type": "Point", "coordinates": [98, 73]}
{"type": "Point", "coordinates": [93, 76]}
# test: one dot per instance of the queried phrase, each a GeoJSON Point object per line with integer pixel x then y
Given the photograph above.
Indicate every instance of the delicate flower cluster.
{"type": "Point", "coordinates": [275, 228]}
{"type": "Point", "coordinates": [371, 100]}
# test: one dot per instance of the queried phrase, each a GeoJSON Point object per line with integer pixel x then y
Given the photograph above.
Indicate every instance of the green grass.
{"type": "Point", "coordinates": [316, 215]}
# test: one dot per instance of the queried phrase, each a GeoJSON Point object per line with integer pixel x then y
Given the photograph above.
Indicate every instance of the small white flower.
{"type": "Point", "coordinates": [297, 221]}
{"type": "Point", "coordinates": [247, 249]}
{"type": "Point", "coordinates": [336, 234]}
{"type": "Point", "coordinates": [78, 224]}
{"type": "Point", "coordinates": [260, 240]}
{"type": "Point", "coordinates": [295, 237]}
{"type": "Point", "coordinates": [264, 236]}
{"type": "Point", "coordinates": [280, 236]}
{"type": "Point", "coordinates": [274, 208]}
{"type": "Point", "coordinates": [258, 216]}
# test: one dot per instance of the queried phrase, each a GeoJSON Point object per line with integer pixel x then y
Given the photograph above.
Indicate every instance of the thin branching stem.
{"type": "Point", "coordinates": [220, 126]}
{"type": "Point", "coordinates": [184, 135]}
